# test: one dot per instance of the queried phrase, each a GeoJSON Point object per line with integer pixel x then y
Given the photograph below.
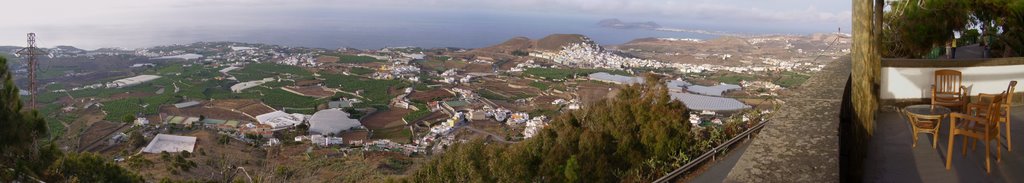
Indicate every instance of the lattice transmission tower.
{"type": "Point", "coordinates": [31, 52]}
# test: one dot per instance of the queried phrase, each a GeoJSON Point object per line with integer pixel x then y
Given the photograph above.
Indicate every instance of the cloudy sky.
{"type": "Point", "coordinates": [80, 22]}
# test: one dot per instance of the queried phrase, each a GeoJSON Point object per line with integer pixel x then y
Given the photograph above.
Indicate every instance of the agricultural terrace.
{"type": "Point", "coordinates": [790, 79]}
{"type": "Point", "coordinates": [143, 99]}
{"type": "Point", "coordinates": [555, 74]}
{"type": "Point", "coordinates": [259, 71]}
{"type": "Point", "coordinates": [540, 85]}
{"type": "Point", "coordinates": [416, 115]}
{"type": "Point", "coordinates": [360, 71]}
{"type": "Point", "coordinates": [442, 65]}
{"type": "Point", "coordinates": [353, 59]}
{"type": "Point", "coordinates": [374, 91]}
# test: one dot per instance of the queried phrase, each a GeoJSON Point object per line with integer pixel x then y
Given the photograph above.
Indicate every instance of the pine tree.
{"type": "Point", "coordinates": [24, 159]}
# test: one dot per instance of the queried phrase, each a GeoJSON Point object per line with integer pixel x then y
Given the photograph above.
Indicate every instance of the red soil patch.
{"type": "Point", "coordinates": [311, 91]}
{"type": "Point", "coordinates": [429, 95]}
{"type": "Point", "coordinates": [385, 119]}
{"type": "Point", "coordinates": [350, 136]}
{"type": "Point", "coordinates": [245, 106]}
{"type": "Point", "coordinates": [327, 59]}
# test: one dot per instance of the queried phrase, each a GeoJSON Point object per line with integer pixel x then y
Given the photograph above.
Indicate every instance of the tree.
{"type": "Point", "coordinates": [136, 140]}
{"type": "Point", "coordinates": [128, 118]}
{"type": "Point", "coordinates": [572, 170]}
{"type": "Point", "coordinates": [914, 28]}
{"type": "Point", "coordinates": [24, 157]}
{"type": "Point", "coordinates": [634, 137]}
{"type": "Point", "coordinates": [19, 130]}
{"type": "Point", "coordinates": [520, 53]}
{"type": "Point", "coordinates": [88, 167]}
{"type": "Point", "coordinates": [223, 139]}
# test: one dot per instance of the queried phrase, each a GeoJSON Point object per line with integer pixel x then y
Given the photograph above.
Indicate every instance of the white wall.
{"type": "Point", "coordinates": [911, 83]}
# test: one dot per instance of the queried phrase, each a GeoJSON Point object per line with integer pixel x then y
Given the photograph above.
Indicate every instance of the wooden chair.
{"type": "Point", "coordinates": [984, 128]}
{"type": "Point", "coordinates": [925, 124]}
{"type": "Point", "coordinates": [1003, 113]}
{"type": "Point", "coordinates": [948, 89]}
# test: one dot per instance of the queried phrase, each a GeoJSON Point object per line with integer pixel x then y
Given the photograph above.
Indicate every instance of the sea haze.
{"type": "Point", "coordinates": [354, 28]}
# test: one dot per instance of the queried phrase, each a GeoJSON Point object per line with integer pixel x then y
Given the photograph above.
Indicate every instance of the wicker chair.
{"type": "Point", "coordinates": [984, 128]}
{"type": "Point", "coordinates": [948, 89]}
{"type": "Point", "coordinates": [920, 123]}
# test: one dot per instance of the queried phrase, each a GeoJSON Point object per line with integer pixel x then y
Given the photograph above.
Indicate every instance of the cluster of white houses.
{"type": "Point", "coordinates": [323, 125]}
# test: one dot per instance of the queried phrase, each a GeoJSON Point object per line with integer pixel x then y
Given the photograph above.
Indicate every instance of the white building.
{"type": "Point", "coordinates": [330, 121]}
{"type": "Point", "coordinates": [170, 143]}
{"type": "Point", "coordinates": [279, 120]}
{"type": "Point", "coordinates": [534, 125]}
{"type": "Point", "coordinates": [121, 83]}
{"type": "Point", "coordinates": [141, 121]}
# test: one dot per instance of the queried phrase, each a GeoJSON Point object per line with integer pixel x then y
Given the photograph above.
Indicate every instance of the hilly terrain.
{"type": "Point", "coordinates": [733, 51]}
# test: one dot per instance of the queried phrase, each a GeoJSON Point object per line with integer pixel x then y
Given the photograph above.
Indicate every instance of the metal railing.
{"type": "Point", "coordinates": [710, 154]}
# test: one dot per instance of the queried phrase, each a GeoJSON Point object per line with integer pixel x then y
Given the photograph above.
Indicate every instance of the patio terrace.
{"type": "Point", "coordinates": [890, 157]}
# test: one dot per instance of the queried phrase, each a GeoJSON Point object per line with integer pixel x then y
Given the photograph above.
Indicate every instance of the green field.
{"type": "Point", "coordinates": [259, 71]}
{"type": "Point", "coordinates": [279, 98]}
{"type": "Point", "coordinates": [540, 85]}
{"type": "Point", "coordinates": [117, 109]}
{"type": "Point", "coordinates": [361, 71]}
{"type": "Point", "coordinates": [442, 57]}
{"type": "Point", "coordinates": [791, 79]}
{"type": "Point", "coordinates": [353, 59]}
{"type": "Point", "coordinates": [563, 74]}
{"type": "Point", "coordinates": [441, 65]}
{"type": "Point", "coordinates": [399, 134]}
{"type": "Point", "coordinates": [414, 115]}
{"type": "Point", "coordinates": [733, 78]}
{"type": "Point", "coordinates": [488, 94]}
{"type": "Point", "coordinates": [376, 91]}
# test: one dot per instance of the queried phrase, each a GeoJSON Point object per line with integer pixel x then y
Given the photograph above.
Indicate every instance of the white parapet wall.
{"type": "Point", "coordinates": [908, 82]}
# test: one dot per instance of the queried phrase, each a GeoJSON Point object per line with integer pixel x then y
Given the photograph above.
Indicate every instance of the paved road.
{"type": "Point", "coordinates": [721, 168]}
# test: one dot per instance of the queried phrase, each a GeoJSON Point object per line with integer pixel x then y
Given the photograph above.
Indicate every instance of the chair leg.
{"type": "Point", "coordinates": [935, 139]}
{"type": "Point", "coordinates": [964, 147]}
{"type": "Point", "coordinates": [974, 144]}
{"type": "Point", "coordinates": [1009, 141]}
{"type": "Point", "coordinates": [988, 164]}
{"type": "Point", "coordinates": [915, 141]}
{"type": "Point", "coordinates": [949, 152]}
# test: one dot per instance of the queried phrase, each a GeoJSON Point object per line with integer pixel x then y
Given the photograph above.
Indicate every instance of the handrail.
{"type": "Point", "coordinates": [709, 154]}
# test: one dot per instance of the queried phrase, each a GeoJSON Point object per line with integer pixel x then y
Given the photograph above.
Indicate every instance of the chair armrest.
{"type": "Point", "coordinates": [964, 95]}
{"type": "Point", "coordinates": [956, 116]}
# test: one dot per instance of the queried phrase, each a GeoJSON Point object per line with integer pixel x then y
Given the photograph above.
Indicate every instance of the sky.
{"type": "Point", "coordinates": [60, 20]}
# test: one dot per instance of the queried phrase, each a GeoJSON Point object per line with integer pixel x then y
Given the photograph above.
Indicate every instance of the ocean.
{"type": "Point", "coordinates": [353, 29]}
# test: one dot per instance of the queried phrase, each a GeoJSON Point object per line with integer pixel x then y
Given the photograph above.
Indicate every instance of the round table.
{"type": "Point", "coordinates": [926, 109]}
{"type": "Point", "coordinates": [926, 119]}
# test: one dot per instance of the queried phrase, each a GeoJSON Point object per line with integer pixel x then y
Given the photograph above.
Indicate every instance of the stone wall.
{"type": "Point", "coordinates": [801, 141]}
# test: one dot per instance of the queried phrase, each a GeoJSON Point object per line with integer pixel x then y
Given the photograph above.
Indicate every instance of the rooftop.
{"type": "Point", "coordinates": [170, 143]}
{"type": "Point", "coordinates": [329, 121]}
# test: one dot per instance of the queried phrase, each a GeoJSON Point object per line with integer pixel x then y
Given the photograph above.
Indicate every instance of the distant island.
{"type": "Point", "coordinates": [650, 25]}
{"type": "Point", "coordinates": [619, 24]}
